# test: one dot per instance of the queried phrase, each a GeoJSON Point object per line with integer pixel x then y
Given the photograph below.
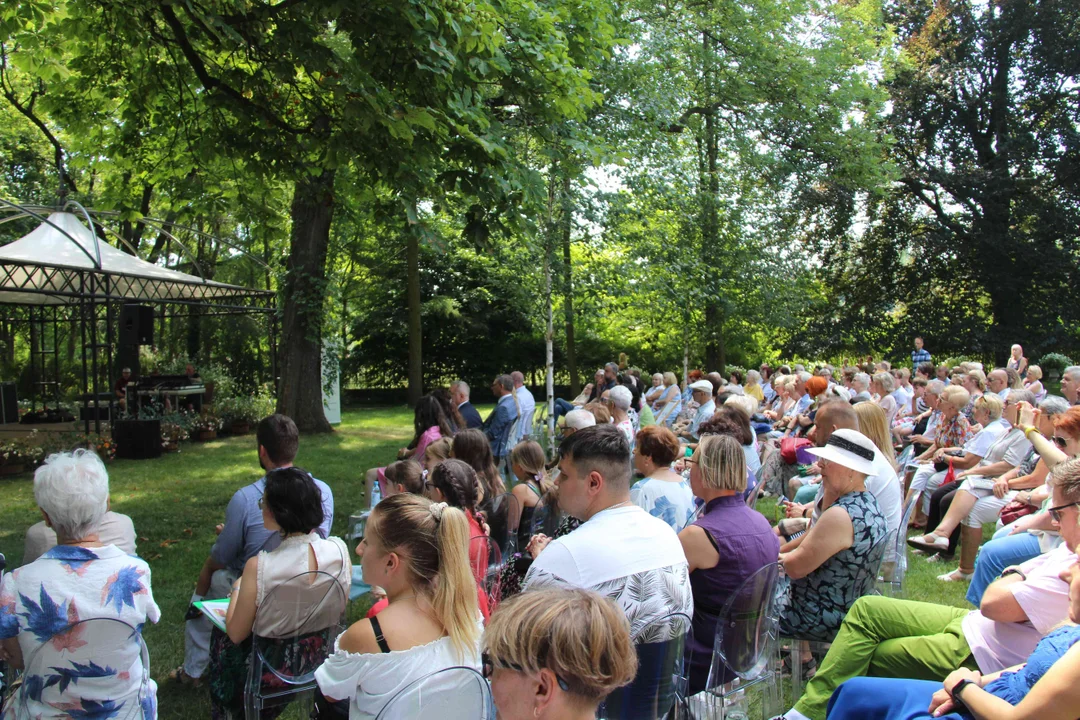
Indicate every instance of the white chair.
{"type": "Point", "coordinates": [94, 655]}
{"type": "Point", "coordinates": [295, 628]}
{"type": "Point", "coordinates": [891, 577]}
{"type": "Point", "coordinates": [457, 693]}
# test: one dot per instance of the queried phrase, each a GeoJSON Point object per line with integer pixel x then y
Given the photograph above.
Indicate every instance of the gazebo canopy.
{"type": "Point", "coordinates": [63, 262]}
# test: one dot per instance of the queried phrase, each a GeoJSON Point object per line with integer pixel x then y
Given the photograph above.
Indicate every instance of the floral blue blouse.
{"type": "Point", "coordinates": [672, 502]}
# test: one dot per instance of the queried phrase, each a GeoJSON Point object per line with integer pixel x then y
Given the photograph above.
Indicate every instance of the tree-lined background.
{"type": "Point", "coordinates": [433, 181]}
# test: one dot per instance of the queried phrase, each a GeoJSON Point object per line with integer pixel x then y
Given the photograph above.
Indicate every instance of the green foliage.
{"type": "Point", "coordinates": [1054, 363]}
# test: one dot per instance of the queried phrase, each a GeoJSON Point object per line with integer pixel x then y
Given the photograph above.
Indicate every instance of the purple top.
{"type": "Point", "coordinates": [746, 543]}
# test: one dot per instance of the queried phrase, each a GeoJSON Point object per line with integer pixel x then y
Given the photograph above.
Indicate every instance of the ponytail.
{"type": "Point", "coordinates": [433, 540]}
{"type": "Point", "coordinates": [455, 602]}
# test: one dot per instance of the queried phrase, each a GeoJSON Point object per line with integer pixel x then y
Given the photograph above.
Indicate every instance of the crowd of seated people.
{"type": "Point", "coordinates": [649, 514]}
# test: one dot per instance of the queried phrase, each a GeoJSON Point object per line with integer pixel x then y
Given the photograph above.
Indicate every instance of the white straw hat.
{"type": "Point", "coordinates": [849, 448]}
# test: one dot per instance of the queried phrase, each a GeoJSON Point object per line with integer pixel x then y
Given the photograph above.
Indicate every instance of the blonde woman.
{"type": "Point", "coordinates": [418, 551]}
{"type": "Point", "coordinates": [668, 405]}
{"type": "Point", "coordinates": [1033, 382]}
{"type": "Point", "coordinates": [1017, 361]}
{"type": "Point", "coordinates": [555, 654]}
{"type": "Point", "coordinates": [872, 424]}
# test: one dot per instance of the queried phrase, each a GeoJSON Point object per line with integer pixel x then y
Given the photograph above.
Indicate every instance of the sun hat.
{"type": "Point", "coordinates": [702, 385]}
{"type": "Point", "coordinates": [849, 448]}
{"type": "Point", "coordinates": [580, 419]}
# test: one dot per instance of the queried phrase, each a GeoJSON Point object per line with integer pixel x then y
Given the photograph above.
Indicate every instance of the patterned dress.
{"type": "Point", "coordinates": [672, 502]}
{"type": "Point", "coordinates": [90, 670]}
{"type": "Point", "coordinates": [813, 607]}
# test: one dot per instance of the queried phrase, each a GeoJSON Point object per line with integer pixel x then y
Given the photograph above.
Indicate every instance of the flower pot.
{"type": "Point", "coordinates": [239, 427]}
{"type": "Point", "coordinates": [206, 435]}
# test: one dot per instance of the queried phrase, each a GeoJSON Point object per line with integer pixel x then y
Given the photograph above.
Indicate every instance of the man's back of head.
{"type": "Point", "coordinates": [834, 414]}
{"type": "Point", "coordinates": [602, 449]}
{"type": "Point", "coordinates": [278, 437]}
{"type": "Point", "coordinates": [518, 378]}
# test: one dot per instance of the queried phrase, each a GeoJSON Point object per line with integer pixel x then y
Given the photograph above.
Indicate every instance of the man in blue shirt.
{"type": "Point", "coordinates": [919, 354]}
{"type": "Point", "coordinates": [526, 403]}
{"type": "Point", "coordinates": [500, 422]}
{"type": "Point", "coordinates": [240, 538]}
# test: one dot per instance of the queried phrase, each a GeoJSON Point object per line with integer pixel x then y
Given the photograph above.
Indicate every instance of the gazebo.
{"type": "Point", "coordinates": [63, 272]}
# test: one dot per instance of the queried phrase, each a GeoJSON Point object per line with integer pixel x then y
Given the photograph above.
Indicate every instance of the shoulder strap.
{"type": "Point", "coordinates": [378, 634]}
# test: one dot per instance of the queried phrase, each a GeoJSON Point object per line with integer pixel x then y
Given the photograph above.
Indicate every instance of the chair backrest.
{"type": "Point", "coordinates": [652, 693]}
{"type": "Point", "coordinates": [99, 664]}
{"type": "Point", "coordinates": [866, 579]}
{"type": "Point", "coordinates": [894, 564]}
{"type": "Point", "coordinates": [545, 519]}
{"type": "Point", "coordinates": [357, 525]}
{"type": "Point", "coordinates": [486, 561]}
{"type": "Point", "coordinates": [504, 520]}
{"type": "Point", "coordinates": [296, 626]}
{"type": "Point", "coordinates": [456, 693]}
{"type": "Point", "coordinates": [746, 629]}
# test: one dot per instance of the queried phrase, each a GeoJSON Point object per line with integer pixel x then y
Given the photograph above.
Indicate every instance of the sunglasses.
{"type": "Point", "coordinates": [1055, 512]}
{"type": "Point", "coordinates": [1060, 441]}
{"type": "Point", "coordinates": [489, 667]}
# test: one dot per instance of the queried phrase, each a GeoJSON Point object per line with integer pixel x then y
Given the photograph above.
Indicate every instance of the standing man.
{"type": "Point", "coordinates": [526, 404]}
{"type": "Point", "coordinates": [240, 538]}
{"type": "Point", "coordinates": [500, 422]}
{"type": "Point", "coordinates": [919, 354]}
{"type": "Point", "coordinates": [459, 393]}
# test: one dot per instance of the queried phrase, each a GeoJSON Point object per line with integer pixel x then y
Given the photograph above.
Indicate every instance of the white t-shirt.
{"type": "Point", "coordinates": [625, 554]}
{"type": "Point", "coordinates": [984, 439]}
{"type": "Point", "coordinates": [371, 680]}
{"type": "Point", "coordinates": [1044, 597]}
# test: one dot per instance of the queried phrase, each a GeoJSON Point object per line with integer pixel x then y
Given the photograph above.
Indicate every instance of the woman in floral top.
{"type": "Point", "coordinates": [90, 669]}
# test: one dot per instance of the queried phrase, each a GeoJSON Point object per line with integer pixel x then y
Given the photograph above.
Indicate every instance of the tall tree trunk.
{"type": "Point", "coordinates": [568, 288]}
{"type": "Point", "coordinates": [710, 230]}
{"type": "Point", "coordinates": [416, 337]}
{"type": "Point", "coordinates": [300, 394]}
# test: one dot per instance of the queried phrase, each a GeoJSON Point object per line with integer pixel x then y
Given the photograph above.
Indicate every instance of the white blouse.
{"type": "Point", "coordinates": [371, 680]}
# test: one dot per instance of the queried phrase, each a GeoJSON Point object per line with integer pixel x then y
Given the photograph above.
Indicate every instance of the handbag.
{"type": "Point", "coordinates": [1016, 510]}
{"type": "Point", "coordinates": [950, 476]}
{"type": "Point", "coordinates": [789, 448]}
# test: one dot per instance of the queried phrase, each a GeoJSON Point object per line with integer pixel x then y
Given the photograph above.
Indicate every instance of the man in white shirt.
{"type": "Point", "coordinates": [703, 396]}
{"type": "Point", "coordinates": [998, 382]}
{"type": "Point", "coordinates": [526, 403]}
{"type": "Point", "coordinates": [620, 551]}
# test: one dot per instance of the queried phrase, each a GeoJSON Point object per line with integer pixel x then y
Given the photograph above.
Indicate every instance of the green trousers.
{"type": "Point", "coordinates": [885, 637]}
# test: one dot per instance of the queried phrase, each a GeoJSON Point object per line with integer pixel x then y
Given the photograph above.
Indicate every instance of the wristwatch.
{"type": "Point", "coordinates": [958, 688]}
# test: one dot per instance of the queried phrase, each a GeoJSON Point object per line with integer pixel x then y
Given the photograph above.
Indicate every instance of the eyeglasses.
{"type": "Point", "coordinates": [489, 667]}
{"type": "Point", "coordinates": [1055, 512]}
{"type": "Point", "coordinates": [691, 461]}
{"type": "Point", "coordinates": [1060, 441]}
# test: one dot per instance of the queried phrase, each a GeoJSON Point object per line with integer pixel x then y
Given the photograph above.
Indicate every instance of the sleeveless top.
{"type": "Point", "coordinates": [813, 607]}
{"type": "Point", "coordinates": [1012, 687]}
{"type": "Point", "coordinates": [279, 617]}
{"type": "Point", "coordinates": [526, 522]}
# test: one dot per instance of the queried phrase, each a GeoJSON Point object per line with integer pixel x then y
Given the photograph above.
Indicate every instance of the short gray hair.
{"type": "Point", "coordinates": [462, 386]}
{"type": "Point", "coordinates": [887, 382]}
{"type": "Point", "coordinates": [803, 376]}
{"type": "Point", "coordinates": [1018, 396]}
{"type": "Point", "coordinates": [1071, 371]}
{"type": "Point", "coordinates": [753, 377]}
{"type": "Point", "coordinates": [863, 379]}
{"type": "Point", "coordinates": [620, 397]}
{"type": "Point", "coordinates": [505, 382]}
{"type": "Point", "coordinates": [935, 387]}
{"type": "Point", "coordinates": [1052, 405]}
{"type": "Point", "coordinates": [73, 490]}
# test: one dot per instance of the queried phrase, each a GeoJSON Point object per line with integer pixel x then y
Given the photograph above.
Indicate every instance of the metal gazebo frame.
{"type": "Point", "coordinates": [91, 292]}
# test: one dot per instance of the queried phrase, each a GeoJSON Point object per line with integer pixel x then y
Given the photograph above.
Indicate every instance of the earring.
{"type": "Point", "coordinates": [536, 712]}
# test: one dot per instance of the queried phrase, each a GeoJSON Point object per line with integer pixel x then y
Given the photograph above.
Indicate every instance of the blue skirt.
{"type": "Point", "coordinates": [863, 698]}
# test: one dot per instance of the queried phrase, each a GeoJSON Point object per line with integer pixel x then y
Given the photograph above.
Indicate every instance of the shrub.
{"type": "Point", "coordinates": [1053, 363]}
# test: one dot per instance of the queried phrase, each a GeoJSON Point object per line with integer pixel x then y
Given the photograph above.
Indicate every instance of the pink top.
{"type": "Point", "coordinates": [429, 436]}
{"type": "Point", "coordinates": [1044, 596]}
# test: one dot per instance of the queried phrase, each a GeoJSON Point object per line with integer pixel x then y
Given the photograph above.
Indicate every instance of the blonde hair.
{"type": "Point", "coordinates": [746, 403]}
{"type": "Point", "coordinates": [579, 635]}
{"type": "Point", "coordinates": [722, 462]}
{"type": "Point", "coordinates": [670, 379]}
{"type": "Point", "coordinates": [1035, 372]}
{"type": "Point", "coordinates": [601, 413]}
{"type": "Point", "coordinates": [956, 396]}
{"type": "Point", "coordinates": [873, 423]}
{"type": "Point", "coordinates": [978, 377]}
{"type": "Point", "coordinates": [439, 449]}
{"type": "Point", "coordinates": [992, 404]}
{"type": "Point", "coordinates": [529, 456]}
{"type": "Point", "coordinates": [434, 546]}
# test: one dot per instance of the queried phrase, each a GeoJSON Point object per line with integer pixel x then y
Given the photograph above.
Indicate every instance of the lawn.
{"type": "Point", "coordinates": [176, 501]}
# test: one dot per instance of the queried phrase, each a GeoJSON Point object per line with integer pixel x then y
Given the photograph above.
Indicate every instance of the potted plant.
{"type": "Point", "coordinates": [11, 459]}
{"type": "Point", "coordinates": [205, 427]}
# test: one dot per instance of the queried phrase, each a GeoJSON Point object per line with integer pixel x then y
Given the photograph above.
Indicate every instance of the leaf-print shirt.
{"type": "Point", "coordinates": [82, 672]}
{"type": "Point", "coordinates": [672, 502]}
{"type": "Point", "coordinates": [627, 555]}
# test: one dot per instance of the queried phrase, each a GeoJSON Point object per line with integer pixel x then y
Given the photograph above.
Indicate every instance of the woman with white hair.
{"type": "Point", "coordinates": [653, 394]}
{"type": "Point", "coordinates": [882, 386]}
{"type": "Point", "coordinates": [753, 386]}
{"type": "Point", "coordinates": [666, 407]}
{"type": "Point", "coordinates": [618, 401]}
{"type": "Point", "coordinates": [88, 665]}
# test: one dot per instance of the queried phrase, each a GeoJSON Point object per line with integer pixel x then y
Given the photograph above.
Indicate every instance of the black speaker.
{"type": "Point", "coordinates": [137, 439]}
{"type": "Point", "coordinates": [9, 403]}
{"type": "Point", "coordinates": [137, 325]}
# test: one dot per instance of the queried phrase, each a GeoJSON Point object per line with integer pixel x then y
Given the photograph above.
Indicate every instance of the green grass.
{"type": "Point", "coordinates": [175, 502]}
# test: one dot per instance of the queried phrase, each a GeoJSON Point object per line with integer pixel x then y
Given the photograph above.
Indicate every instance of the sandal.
{"type": "Point", "coordinates": [180, 675]}
{"type": "Point", "coordinates": [929, 542]}
{"type": "Point", "coordinates": [956, 575]}
{"type": "Point", "coordinates": [809, 667]}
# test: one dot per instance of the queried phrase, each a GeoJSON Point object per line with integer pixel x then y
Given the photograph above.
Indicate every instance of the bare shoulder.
{"type": "Point", "coordinates": [359, 638]}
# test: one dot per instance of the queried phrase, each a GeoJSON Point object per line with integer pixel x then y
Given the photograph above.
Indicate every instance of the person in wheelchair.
{"type": "Point", "coordinates": [274, 598]}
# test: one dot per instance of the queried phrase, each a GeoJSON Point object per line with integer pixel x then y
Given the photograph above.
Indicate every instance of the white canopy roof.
{"type": "Point", "coordinates": [49, 266]}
